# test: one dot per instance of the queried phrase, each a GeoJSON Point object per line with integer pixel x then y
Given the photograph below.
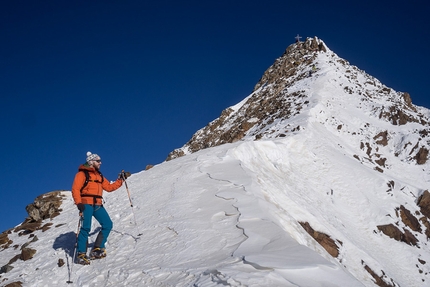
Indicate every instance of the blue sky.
{"type": "Point", "coordinates": [131, 80]}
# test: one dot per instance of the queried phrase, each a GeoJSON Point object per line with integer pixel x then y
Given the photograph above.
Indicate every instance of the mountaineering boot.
{"type": "Point", "coordinates": [98, 253]}
{"type": "Point", "coordinates": [83, 259]}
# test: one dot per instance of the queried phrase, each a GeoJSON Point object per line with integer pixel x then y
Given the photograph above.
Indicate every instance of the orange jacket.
{"type": "Point", "coordinates": [94, 187]}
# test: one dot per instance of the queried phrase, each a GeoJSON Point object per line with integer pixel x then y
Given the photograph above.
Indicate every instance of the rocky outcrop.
{"type": "Point", "coordinates": [394, 232]}
{"type": "Point", "coordinates": [380, 280]}
{"type": "Point", "coordinates": [410, 222]}
{"type": "Point", "coordinates": [45, 206]}
{"type": "Point", "coordinates": [409, 219]}
{"type": "Point", "coordinates": [323, 239]}
{"type": "Point", "coordinates": [269, 101]}
{"type": "Point", "coordinates": [5, 242]}
{"type": "Point", "coordinates": [285, 69]}
{"type": "Point", "coordinates": [422, 155]}
{"type": "Point", "coordinates": [424, 203]}
{"type": "Point", "coordinates": [27, 254]}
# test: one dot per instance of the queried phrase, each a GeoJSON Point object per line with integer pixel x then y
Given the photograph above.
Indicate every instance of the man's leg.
{"type": "Point", "coordinates": [85, 229]}
{"type": "Point", "coordinates": [103, 218]}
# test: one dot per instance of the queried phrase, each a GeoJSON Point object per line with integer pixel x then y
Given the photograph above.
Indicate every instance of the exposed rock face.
{"type": "Point", "coordinates": [266, 104]}
{"type": "Point", "coordinates": [276, 99]}
{"type": "Point", "coordinates": [409, 220]}
{"type": "Point", "coordinates": [379, 280]}
{"type": "Point", "coordinates": [45, 206]}
{"type": "Point", "coordinates": [393, 232]}
{"type": "Point", "coordinates": [422, 155]}
{"type": "Point", "coordinates": [323, 239]}
{"type": "Point", "coordinates": [149, 166]}
{"type": "Point", "coordinates": [5, 242]}
{"type": "Point", "coordinates": [27, 254]}
{"type": "Point", "coordinates": [424, 203]}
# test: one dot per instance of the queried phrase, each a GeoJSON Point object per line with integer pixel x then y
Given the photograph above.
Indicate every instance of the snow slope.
{"type": "Point", "coordinates": [232, 215]}
{"type": "Point", "coordinates": [204, 222]}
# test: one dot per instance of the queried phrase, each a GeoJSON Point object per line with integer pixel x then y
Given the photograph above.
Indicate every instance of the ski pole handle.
{"type": "Point", "coordinates": [126, 187]}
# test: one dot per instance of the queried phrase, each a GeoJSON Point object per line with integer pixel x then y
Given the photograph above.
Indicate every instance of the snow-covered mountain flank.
{"type": "Point", "coordinates": [318, 178]}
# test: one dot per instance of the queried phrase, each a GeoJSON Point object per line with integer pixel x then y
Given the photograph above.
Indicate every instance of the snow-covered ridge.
{"type": "Point", "coordinates": [310, 83]}
{"type": "Point", "coordinates": [318, 178]}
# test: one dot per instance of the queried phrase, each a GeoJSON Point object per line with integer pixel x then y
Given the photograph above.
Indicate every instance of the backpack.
{"type": "Point", "coordinates": [87, 179]}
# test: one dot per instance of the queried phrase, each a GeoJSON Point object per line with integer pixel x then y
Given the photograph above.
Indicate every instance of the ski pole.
{"type": "Point", "coordinates": [131, 203]}
{"type": "Point", "coordinates": [81, 217]}
{"type": "Point", "coordinates": [128, 192]}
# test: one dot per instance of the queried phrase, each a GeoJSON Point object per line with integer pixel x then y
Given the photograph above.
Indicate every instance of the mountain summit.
{"type": "Point", "coordinates": [308, 84]}
{"type": "Point", "coordinates": [318, 178]}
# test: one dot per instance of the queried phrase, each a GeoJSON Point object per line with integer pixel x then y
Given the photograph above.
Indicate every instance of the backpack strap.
{"type": "Point", "coordinates": [87, 179]}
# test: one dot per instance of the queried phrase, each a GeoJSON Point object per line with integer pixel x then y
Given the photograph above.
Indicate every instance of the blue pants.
{"type": "Point", "coordinates": [100, 214]}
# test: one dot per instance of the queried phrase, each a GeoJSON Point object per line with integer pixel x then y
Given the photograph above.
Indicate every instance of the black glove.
{"type": "Point", "coordinates": [81, 207]}
{"type": "Point", "coordinates": [123, 175]}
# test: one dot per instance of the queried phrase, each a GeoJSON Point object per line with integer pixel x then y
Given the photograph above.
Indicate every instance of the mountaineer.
{"type": "Point", "coordinates": [87, 191]}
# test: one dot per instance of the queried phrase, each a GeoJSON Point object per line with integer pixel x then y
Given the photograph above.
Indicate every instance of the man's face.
{"type": "Point", "coordinates": [97, 163]}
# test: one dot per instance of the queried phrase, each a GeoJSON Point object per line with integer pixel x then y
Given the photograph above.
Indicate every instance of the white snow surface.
{"type": "Point", "coordinates": [229, 215]}
{"type": "Point", "coordinates": [205, 219]}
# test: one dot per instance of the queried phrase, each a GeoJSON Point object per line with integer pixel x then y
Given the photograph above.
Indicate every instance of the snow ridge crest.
{"type": "Point", "coordinates": [309, 83]}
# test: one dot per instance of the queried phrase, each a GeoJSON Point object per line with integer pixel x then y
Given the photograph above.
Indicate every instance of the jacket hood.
{"type": "Point", "coordinates": [86, 166]}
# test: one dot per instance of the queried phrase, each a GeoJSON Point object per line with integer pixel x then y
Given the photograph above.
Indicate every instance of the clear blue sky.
{"type": "Point", "coordinates": [132, 80]}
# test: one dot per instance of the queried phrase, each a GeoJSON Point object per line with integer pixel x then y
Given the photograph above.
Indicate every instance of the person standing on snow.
{"type": "Point", "coordinates": [87, 191]}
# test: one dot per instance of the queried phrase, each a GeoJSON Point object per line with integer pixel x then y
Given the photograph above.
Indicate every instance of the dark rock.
{"type": "Point", "coordinates": [323, 239]}
{"type": "Point", "coordinates": [409, 238]}
{"type": "Point", "coordinates": [421, 156]}
{"type": "Point", "coordinates": [391, 231]}
{"type": "Point", "coordinates": [6, 268]}
{"type": "Point", "coordinates": [408, 101]}
{"type": "Point", "coordinates": [46, 226]}
{"type": "Point", "coordinates": [424, 203]}
{"type": "Point", "coordinates": [45, 206]}
{"type": "Point", "coordinates": [28, 226]}
{"type": "Point", "coordinates": [426, 223]}
{"type": "Point", "coordinates": [378, 279]}
{"type": "Point", "coordinates": [27, 254]}
{"type": "Point", "coordinates": [409, 219]}
{"type": "Point", "coordinates": [381, 161]}
{"type": "Point", "coordinates": [5, 242]}
{"type": "Point", "coordinates": [382, 138]}
{"type": "Point", "coordinates": [14, 259]}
